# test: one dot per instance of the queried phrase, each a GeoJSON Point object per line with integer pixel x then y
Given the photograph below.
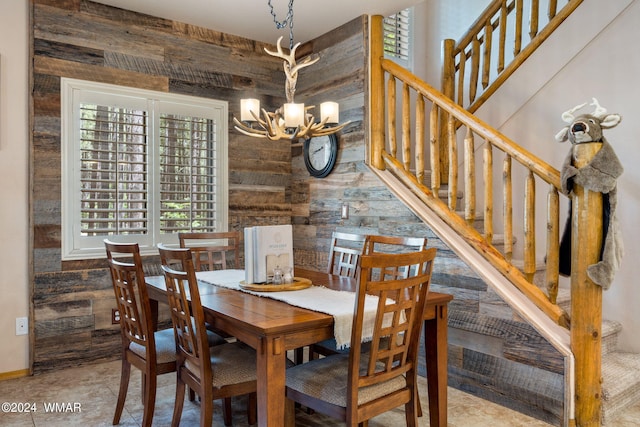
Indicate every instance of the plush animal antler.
{"type": "Point", "coordinates": [290, 67]}
{"type": "Point", "coordinates": [568, 116]}
{"type": "Point", "coordinates": [600, 112]}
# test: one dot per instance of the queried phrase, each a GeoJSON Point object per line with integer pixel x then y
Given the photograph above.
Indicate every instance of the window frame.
{"type": "Point", "coordinates": [75, 92]}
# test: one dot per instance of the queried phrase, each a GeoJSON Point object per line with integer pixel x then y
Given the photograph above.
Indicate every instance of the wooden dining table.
{"type": "Point", "coordinates": [273, 327]}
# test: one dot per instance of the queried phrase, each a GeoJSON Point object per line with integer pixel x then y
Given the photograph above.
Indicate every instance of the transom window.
{"type": "Point", "coordinates": [139, 166]}
{"type": "Point", "coordinates": [398, 36]}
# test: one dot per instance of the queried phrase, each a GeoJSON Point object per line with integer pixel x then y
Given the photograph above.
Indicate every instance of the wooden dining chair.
{"type": "Point", "coordinates": [344, 252]}
{"type": "Point", "coordinates": [210, 250]}
{"type": "Point", "coordinates": [393, 244]}
{"type": "Point", "coordinates": [370, 244]}
{"type": "Point", "coordinates": [219, 372]}
{"type": "Point", "coordinates": [153, 353]}
{"type": "Point", "coordinates": [359, 385]}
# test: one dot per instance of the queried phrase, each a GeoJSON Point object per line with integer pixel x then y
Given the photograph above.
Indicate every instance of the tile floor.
{"type": "Point", "coordinates": [94, 388]}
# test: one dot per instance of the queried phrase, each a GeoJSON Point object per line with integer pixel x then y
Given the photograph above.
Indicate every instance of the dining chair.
{"type": "Point", "coordinates": [210, 249]}
{"type": "Point", "coordinates": [393, 244]}
{"type": "Point", "coordinates": [153, 353]}
{"type": "Point", "coordinates": [219, 372]}
{"type": "Point", "coordinates": [359, 385]}
{"type": "Point", "coordinates": [344, 252]}
{"type": "Point", "coordinates": [370, 244]}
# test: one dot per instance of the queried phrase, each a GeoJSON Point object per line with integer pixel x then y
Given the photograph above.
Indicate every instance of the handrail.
{"type": "Point", "coordinates": [527, 159]}
{"type": "Point", "coordinates": [475, 45]}
{"type": "Point", "coordinates": [491, 136]}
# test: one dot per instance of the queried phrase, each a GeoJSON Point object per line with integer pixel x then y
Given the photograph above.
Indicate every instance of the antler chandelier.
{"type": "Point", "coordinates": [292, 120]}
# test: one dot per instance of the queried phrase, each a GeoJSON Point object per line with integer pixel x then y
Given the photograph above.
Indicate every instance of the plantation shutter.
{"type": "Point", "coordinates": [397, 35]}
{"type": "Point", "coordinates": [113, 170]}
{"type": "Point", "coordinates": [187, 174]}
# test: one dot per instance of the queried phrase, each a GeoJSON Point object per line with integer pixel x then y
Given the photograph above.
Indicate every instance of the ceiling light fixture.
{"type": "Point", "coordinates": [292, 120]}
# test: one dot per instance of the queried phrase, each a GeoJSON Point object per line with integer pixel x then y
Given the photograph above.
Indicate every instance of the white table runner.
{"type": "Point", "coordinates": [339, 304]}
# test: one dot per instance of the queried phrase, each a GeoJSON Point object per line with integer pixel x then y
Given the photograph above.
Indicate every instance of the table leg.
{"type": "Point", "coordinates": [271, 378]}
{"type": "Point", "coordinates": [435, 331]}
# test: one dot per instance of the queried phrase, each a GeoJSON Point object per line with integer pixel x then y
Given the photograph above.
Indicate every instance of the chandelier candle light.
{"type": "Point", "coordinates": [292, 120]}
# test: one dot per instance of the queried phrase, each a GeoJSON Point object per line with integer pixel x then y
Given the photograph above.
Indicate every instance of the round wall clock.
{"type": "Point", "coordinates": [320, 154]}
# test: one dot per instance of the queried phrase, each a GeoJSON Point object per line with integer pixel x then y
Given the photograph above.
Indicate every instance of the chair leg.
{"type": "Point", "coordinates": [125, 373]}
{"type": "Point", "coordinates": [252, 409]}
{"type": "Point", "coordinates": [227, 413]}
{"type": "Point", "coordinates": [149, 399]}
{"type": "Point", "coordinates": [179, 402]}
{"type": "Point", "coordinates": [410, 414]}
{"type": "Point", "coordinates": [143, 387]}
{"type": "Point", "coordinates": [206, 411]}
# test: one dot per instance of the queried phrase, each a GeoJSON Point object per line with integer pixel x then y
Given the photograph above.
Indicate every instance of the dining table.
{"type": "Point", "coordinates": [275, 327]}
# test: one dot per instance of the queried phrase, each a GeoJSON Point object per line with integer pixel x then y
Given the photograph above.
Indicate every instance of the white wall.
{"type": "Point", "coordinates": [14, 149]}
{"type": "Point", "coordinates": [592, 54]}
{"type": "Point", "coordinates": [605, 68]}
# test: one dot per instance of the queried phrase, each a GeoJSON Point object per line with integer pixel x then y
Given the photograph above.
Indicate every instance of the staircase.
{"type": "Point", "coordinates": [510, 296]}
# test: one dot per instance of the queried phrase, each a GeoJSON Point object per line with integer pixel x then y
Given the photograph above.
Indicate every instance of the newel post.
{"type": "Point", "coordinates": [376, 93]}
{"type": "Point", "coordinates": [586, 296]}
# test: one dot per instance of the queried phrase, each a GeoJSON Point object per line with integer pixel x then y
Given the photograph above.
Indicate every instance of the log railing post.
{"type": "Point", "coordinates": [448, 89]}
{"type": "Point", "coordinates": [586, 296]}
{"type": "Point", "coordinates": [376, 93]}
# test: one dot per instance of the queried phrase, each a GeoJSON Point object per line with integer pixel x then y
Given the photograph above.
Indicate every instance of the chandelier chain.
{"type": "Point", "coordinates": [288, 20]}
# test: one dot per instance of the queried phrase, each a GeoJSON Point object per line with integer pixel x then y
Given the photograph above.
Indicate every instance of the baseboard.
{"type": "Point", "coordinates": [13, 374]}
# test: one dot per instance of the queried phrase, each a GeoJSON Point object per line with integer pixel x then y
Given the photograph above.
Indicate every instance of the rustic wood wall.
{"type": "Point", "coordinates": [85, 40]}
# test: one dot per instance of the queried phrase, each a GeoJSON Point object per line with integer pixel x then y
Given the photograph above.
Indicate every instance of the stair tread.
{"type": "Point", "coordinates": [620, 384]}
{"type": "Point", "coordinates": [620, 372]}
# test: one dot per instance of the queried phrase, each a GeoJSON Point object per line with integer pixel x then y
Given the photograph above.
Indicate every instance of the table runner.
{"type": "Point", "coordinates": [339, 304]}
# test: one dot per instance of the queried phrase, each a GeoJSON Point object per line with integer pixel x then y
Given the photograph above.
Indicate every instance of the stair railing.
{"type": "Point", "coordinates": [424, 105]}
{"type": "Point", "coordinates": [402, 150]}
{"type": "Point", "coordinates": [478, 64]}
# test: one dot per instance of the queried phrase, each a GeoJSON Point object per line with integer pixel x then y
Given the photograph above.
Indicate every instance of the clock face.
{"type": "Point", "coordinates": [319, 152]}
{"type": "Point", "coordinates": [320, 155]}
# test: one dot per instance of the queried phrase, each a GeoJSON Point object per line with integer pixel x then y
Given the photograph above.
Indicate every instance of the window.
{"type": "Point", "coordinates": [398, 37]}
{"type": "Point", "coordinates": [139, 166]}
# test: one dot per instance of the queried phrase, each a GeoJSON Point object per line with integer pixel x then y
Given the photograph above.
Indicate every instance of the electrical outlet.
{"type": "Point", "coordinates": [115, 316]}
{"type": "Point", "coordinates": [22, 325]}
{"type": "Point", "coordinates": [344, 211]}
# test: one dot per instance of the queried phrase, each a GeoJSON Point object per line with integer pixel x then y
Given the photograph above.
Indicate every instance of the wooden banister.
{"type": "Point", "coordinates": [476, 45]}
{"type": "Point", "coordinates": [456, 133]}
{"type": "Point", "coordinates": [400, 162]}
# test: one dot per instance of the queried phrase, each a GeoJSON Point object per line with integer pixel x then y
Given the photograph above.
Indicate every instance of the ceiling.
{"type": "Point", "coordinates": [252, 18]}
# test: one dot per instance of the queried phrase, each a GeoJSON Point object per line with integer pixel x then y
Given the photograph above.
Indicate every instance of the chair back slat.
{"type": "Point", "coordinates": [394, 244]}
{"type": "Point", "coordinates": [187, 313]}
{"type": "Point", "coordinates": [393, 351]}
{"type": "Point", "coordinates": [214, 250]}
{"type": "Point", "coordinates": [344, 253]}
{"type": "Point", "coordinates": [131, 293]}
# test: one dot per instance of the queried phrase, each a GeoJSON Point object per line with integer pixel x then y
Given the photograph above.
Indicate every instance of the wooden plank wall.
{"type": "Point", "coordinates": [90, 41]}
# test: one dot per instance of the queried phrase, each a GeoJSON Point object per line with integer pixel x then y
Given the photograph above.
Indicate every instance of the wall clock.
{"type": "Point", "coordinates": [320, 154]}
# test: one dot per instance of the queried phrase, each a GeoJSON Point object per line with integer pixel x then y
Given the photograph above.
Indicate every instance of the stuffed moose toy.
{"type": "Point", "coordinates": [599, 175]}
